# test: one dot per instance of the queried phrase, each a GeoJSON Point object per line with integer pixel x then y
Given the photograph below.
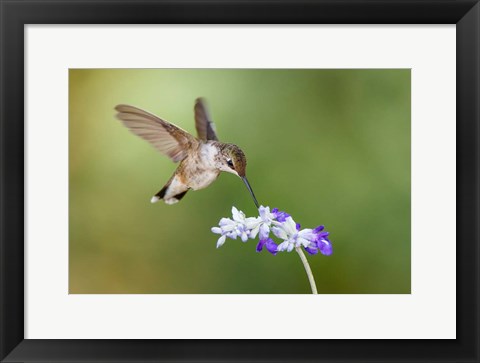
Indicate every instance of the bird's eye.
{"type": "Point", "coordinates": [230, 163]}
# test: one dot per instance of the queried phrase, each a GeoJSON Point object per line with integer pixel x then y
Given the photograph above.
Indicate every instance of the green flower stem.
{"type": "Point", "coordinates": [308, 270]}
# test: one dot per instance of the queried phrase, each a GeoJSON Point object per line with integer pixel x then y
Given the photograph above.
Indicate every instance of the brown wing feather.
{"type": "Point", "coordinates": [167, 138]}
{"type": "Point", "coordinates": [203, 122]}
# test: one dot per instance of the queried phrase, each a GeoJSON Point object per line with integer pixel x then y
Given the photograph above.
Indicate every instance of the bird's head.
{"type": "Point", "coordinates": [233, 161]}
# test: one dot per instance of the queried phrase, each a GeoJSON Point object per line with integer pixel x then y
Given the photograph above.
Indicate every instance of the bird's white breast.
{"type": "Point", "coordinates": [203, 171]}
{"type": "Point", "coordinates": [208, 154]}
{"type": "Point", "coordinates": [203, 180]}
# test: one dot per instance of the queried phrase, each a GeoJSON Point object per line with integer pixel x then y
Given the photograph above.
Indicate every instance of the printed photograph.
{"type": "Point", "coordinates": [239, 181]}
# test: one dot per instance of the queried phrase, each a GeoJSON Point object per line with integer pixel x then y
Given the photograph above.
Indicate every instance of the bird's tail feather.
{"type": "Point", "coordinates": [165, 194]}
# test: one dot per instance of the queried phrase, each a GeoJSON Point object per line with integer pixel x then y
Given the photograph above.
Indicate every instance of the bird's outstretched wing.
{"type": "Point", "coordinates": [203, 122]}
{"type": "Point", "coordinates": [167, 138]}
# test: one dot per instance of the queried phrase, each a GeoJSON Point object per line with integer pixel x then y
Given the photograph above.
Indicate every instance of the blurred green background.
{"type": "Point", "coordinates": [330, 147]}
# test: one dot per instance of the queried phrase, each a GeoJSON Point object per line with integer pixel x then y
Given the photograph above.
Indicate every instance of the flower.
{"type": "Point", "coordinates": [322, 241]}
{"type": "Point", "coordinates": [239, 226]}
{"type": "Point", "coordinates": [283, 227]}
{"type": "Point", "coordinates": [292, 236]}
{"type": "Point", "coordinates": [266, 219]}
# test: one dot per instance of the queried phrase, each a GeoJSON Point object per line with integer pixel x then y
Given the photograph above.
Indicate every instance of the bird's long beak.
{"type": "Point", "coordinates": [244, 178]}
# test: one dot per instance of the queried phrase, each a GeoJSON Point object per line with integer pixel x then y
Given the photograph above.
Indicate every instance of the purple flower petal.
{"type": "Point", "coordinates": [319, 229]}
{"type": "Point", "coordinates": [279, 215]}
{"type": "Point", "coordinates": [260, 245]}
{"type": "Point", "coordinates": [325, 246]}
{"type": "Point", "coordinates": [271, 246]}
{"type": "Point", "coordinates": [311, 250]}
{"type": "Point", "coordinates": [282, 216]}
{"type": "Point", "coordinates": [322, 235]}
{"type": "Point", "coordinates": [298, 226]}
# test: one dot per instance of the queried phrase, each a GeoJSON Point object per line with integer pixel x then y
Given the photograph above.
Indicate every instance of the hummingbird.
{"type": "Point", "coordinates": [201, 158]}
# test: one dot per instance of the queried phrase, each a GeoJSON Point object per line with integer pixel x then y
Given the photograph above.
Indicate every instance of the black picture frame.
{"type": "Point", "coordinates": [15, 14]}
